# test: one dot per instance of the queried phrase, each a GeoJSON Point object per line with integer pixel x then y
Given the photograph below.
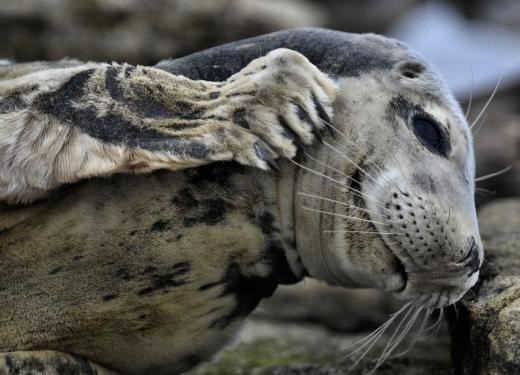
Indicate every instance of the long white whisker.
{"type": "Point", "coordinates": [350, 160]}
{"type": "Point", "coordinates": [488, 102]}
{"type": "Point", "coordinates": [339, 145]}
{"type": "Point", "coordinates": [417, 335]}
{"type": "Point", "coordinates": [392, 317]}
{"type": "Point", "coordinates": [339, 202]}
{"type": "Point", "coordinates": [360, 231]}
{"type": "Point", "coordinates": [494, 174]}
{"type": "Point", "coordinates": [336, 170]}
{"type": "Point", "coordinates": [318, 173]}
{"type": "Point", "coordinates": [341, 215]}
{"type": "Point", "coordinates": [389, 349]}
{"type": "Point", "coordinates": [408, 307]}
{"type": "Point", "coordinates": [481, 123]}
{"type": "Point", "coordinates": [343, 185]}
{"type": "Point", "coordinates": [483, 191]}
{"type": "Point", "coordinates": [470, 93]}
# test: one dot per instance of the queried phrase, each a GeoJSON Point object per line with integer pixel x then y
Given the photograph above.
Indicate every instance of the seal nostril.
{"type": "Point", "coordinates": [474, 258]}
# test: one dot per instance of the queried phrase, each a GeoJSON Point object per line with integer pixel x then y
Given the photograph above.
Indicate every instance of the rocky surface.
{"type": "Point", "coordinates": [270, 348]}
{"type": "Point", "coordinates": [136, 31]}
{"type": "Point", "coordinates": [339, 309]}
{"type": "Point", "coordinates": [485, 328]}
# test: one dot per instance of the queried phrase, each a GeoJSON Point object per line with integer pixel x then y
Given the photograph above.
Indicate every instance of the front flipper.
{"type": "Point", "coordinates": [61, 125]}
{"type": "Point", "coordinates": [47, 362]}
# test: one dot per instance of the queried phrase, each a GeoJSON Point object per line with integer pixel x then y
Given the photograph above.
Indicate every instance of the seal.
{"type": "Point", "coordinates": [154, 273]}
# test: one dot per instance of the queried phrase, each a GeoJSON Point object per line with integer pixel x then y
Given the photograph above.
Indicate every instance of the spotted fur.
{"type": "Point", "coordinates": [68, 121]}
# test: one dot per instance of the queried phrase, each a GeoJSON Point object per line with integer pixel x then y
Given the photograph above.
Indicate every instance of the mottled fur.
{"type": "Point", "coordinates": [154, 273]}
{"type": "Point", "coordinates": [69, 121]}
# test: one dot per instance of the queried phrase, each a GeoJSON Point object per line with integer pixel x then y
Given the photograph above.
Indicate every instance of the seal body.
{"type": "Point", "coordinates": [144, 273]}
{"type": "Point", "coordinates": [154, 273]}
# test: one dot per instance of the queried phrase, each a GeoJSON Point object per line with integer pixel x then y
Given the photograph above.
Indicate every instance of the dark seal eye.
{"type": "Point", "coordinates": [431, 135]}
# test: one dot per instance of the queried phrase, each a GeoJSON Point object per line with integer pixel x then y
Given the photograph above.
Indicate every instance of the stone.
{"type": "Point", "coordinates": [485, 326]}
{"type": "Point", "coordinates": [139, 32]}
{"type": "Point", "coordinates": [336, 308]}
{"type": "Point", "coordinates": [283, 348]}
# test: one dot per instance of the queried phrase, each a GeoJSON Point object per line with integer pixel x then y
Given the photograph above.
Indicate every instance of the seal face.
{"type": "Point", "coordinates": [403, 218]}
{"type": "Point", "coordinates": [154, 273]}
{"type": "Point", "coordinates": [413, 181]}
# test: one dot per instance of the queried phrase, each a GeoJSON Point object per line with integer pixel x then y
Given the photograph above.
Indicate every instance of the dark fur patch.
{"type": "Point", "coordinates": [112, 83]}
{"type": "Point", "coordinates": [240, 118]}
{"type": "Point", "coordinates": [247, 290]}
{"type": "Point", "coordinates": [111, 128]}
{"type": "Point", "coordinates": [11, 103]}
{"type": "Point", "coordinates": [201, 211]}
{"type": "Point", "coordinates": [192, 360]}
{"type": "Point", "coordinates": [185, 200]}
{"type": "Point", "coordinates": [165, 281]}
{"type": "Point", "coordinates": [160, 226]}
{"type": "Point", "coordinates": [218, 173]}
{"type": "Point", "coordinates": [335, 53]}
{"type": "Point", "coordinates": [109, 297]}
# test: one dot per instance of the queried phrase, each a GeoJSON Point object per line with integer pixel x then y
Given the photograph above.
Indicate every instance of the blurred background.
{"type": "Point", "coordinates": [474, 43]}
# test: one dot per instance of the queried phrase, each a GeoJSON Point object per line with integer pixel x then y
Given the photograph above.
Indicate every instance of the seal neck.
{"type": "Point", "coordinates": [286, 186]}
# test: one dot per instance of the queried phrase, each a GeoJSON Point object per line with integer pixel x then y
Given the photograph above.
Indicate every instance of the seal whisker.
{"type": "Point", "coordinates": [487, 103]}
{"type": "Point", "coordinates": [417, 336]}
{"type": "Point", "coordinates": [470, 93]}
{"type": "Point", "coordinates": [382, 327]}
{"type": "Point", "coordinates": [350, 161]}
{"type": "Point", "coordinates": [334, 169]}
{"type": "Point", "coordinates": [374, 339]}
{"type": "Point", "coordinates": [342, 184]}
{"type": "Point", "coordinates": [436, 326]}
{"type": "Point", "coordinates": [343, 175]}
{"type": "Point", "coordinates": [494, 174]}
{"type": "Point", "coordinates": [395, 341]}
{"type": "Point", "coordinates": [481, 123]}
{"type": "Point", "coordinates": [340, 203]}
{"type": "Point", "coordinates": [483, 191]}
{"type": "Point", "coordinates": [345, 138]}
{"type": "Point", "coordinates": [340, 215]}
{"type": "Point", "coordinates": [359, 149]}
{"type": "Point", "coordinates": [359, 231]}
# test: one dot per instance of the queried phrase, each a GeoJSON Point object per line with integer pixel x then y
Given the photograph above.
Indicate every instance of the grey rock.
{"type": "Point", "coordinates": [485, 328]}
{"type": "Point", "coordinates": [274, 348]}
{"type": "Point", "coordinates": [136, 31]}
{"type": "Point", "coordinates": [336, 308]}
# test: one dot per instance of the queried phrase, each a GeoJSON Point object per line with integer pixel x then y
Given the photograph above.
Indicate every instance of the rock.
{"type": "Point", "coordinates": [274, 348]}
{"type": "Point", "coordinates": [137, 31]}
{"type": "Point", "coordinates": [485, 328]}
{"type": "Point", "coordinates": [336, 308]}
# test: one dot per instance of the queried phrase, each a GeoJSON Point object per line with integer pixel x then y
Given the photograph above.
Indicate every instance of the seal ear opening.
{"type": "Point", "coordinates": [411, 69]}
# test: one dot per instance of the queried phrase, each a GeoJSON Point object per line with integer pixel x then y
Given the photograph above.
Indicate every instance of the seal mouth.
{"type": "Point", "coordinates": [359, 201]}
